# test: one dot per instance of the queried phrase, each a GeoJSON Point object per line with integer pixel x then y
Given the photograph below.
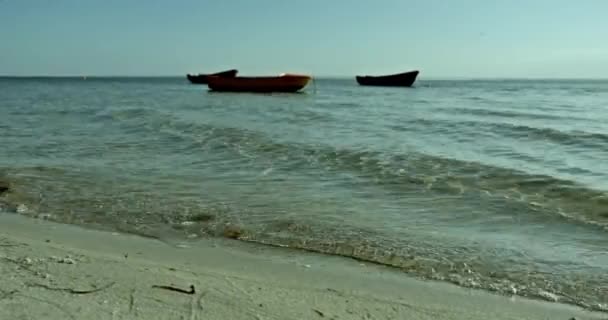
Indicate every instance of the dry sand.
{"type": "Point", "coordinates": [47, 271]}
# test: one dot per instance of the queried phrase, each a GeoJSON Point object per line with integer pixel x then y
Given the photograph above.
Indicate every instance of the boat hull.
{"type": "Point", "coordinates": [405, 79]}
{"type": "Point", "coordinates": [283, 83]}
{"type": "Point", "coordinates": [202, 78]}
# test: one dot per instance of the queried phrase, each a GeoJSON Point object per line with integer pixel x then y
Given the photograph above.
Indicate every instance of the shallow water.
{"type": "Point", "coordinates": [501, 185]}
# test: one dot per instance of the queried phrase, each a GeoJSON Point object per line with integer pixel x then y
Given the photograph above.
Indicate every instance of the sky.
{"type": "Point", "coordinates": [441, 38]}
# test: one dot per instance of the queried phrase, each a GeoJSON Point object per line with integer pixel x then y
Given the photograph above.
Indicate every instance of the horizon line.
{"type": "Point", "coordinates": [318, 77]}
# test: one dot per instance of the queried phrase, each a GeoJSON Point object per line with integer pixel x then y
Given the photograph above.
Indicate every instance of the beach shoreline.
{"type": "Point", "coordinates": [57, 271]}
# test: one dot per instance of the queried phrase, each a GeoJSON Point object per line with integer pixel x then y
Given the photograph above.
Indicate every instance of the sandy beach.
{"type": "Point", "coordinates": [55, 271]}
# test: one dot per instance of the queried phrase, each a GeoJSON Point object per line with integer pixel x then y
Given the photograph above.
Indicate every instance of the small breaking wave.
{"type": "Point", "coordinates": [42, 193]}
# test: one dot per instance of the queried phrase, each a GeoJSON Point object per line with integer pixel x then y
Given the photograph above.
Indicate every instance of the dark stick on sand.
{"type": "Point", "coordinates": [170, 288]}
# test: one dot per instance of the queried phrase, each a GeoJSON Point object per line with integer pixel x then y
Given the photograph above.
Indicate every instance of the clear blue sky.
{"type": "Point", "coordinates": [442, 38]}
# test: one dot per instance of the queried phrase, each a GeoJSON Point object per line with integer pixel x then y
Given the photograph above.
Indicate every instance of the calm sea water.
{"type": "Point", "coordinates": [501, 185]}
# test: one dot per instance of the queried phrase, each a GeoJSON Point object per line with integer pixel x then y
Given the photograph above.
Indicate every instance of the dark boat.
{"type": "Point", "coordinates": [281, 83]}
{"type": "Point", "coordinates": [202, 78]}
{"type": "Point", "coordinates": [405, 79]}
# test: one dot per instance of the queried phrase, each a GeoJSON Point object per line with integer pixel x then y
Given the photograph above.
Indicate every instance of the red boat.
{"type": "Point", "coordinates": [201, 78]}
{"type": "Point", "coordinates": [281, 83]}
{"type": "Point", "coordinates": [405, 79]}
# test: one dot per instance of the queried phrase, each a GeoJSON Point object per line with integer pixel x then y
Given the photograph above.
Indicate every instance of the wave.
{"type": "Point", "coordinates": [511, 114]}
{"type": "Point", "coordinates": [403, 173]}
{"type": "Point", "coordinates": [575, 138]}
{"type": "Point", "coordinates": [567, 138]}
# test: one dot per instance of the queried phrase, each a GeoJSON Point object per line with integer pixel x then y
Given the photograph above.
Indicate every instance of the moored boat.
{"type": "Point", "coordinates": [201, 78]}
{"type": "Point", "coordinates": [405, 79]}
{"type": "Point", "coordinates": [282, 83]}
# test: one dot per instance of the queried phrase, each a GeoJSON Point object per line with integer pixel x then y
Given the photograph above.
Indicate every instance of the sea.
{"type": "Point", "coordinates": [500, 185]}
